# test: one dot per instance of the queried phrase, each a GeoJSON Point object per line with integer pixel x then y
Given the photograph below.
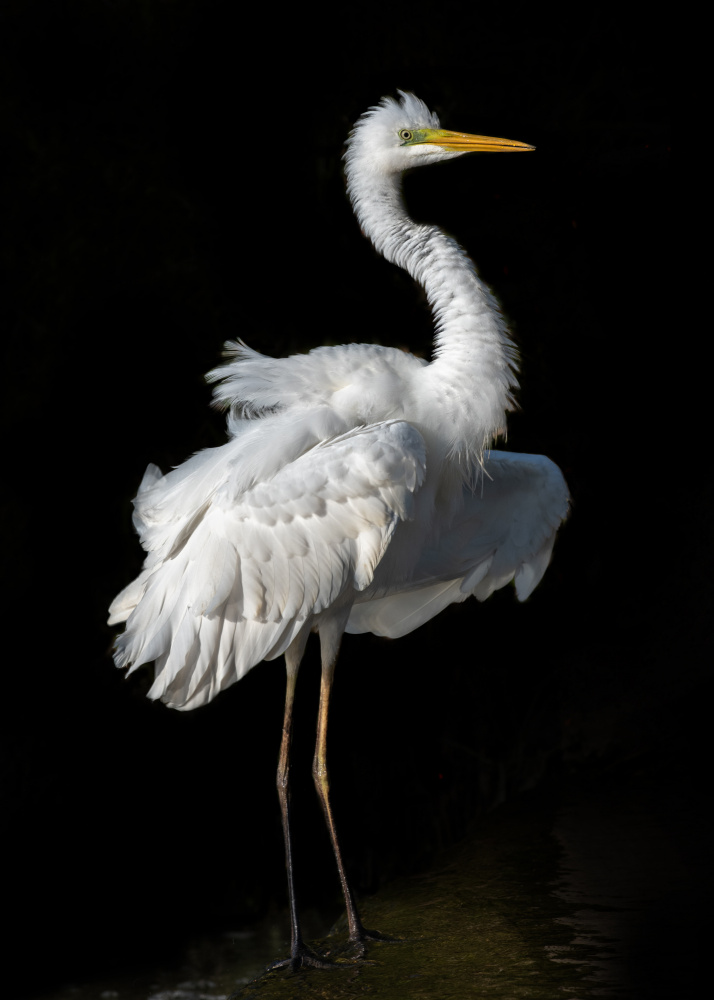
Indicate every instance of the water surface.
{"type": "Point", "coordinates": [575, 894]}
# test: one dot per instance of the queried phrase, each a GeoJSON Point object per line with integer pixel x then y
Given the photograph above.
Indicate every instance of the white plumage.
{"type": "Point", "coordinates": [236, 567]}
{"type": "Point", "coordinates": [356, 492]}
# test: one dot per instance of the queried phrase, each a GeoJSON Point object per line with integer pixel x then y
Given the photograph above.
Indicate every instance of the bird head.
{"type": "Point", "coordinates": [399, 134]}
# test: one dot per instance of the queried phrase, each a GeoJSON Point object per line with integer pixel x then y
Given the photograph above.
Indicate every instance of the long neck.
{"type": "Point", "coordinates": [473, 370]}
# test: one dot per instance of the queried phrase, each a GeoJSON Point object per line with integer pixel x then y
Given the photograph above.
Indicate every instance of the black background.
{"type": "Point", "coordinates": [173, 179]}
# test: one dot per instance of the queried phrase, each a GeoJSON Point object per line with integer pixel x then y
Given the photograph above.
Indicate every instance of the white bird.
{"type": "Point", "coordinates": [356, 493]}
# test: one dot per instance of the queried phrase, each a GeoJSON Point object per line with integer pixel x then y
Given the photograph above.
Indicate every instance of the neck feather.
{"type": "Point", "coordinates": [473, 368]}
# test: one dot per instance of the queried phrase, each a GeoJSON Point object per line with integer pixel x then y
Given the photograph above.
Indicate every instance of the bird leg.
{"type": "Point", "coordinates": [300, 954]}
{"type": "Point", "coordinates": [330, 644]}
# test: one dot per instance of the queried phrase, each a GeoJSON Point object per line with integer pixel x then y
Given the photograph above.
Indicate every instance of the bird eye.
{"type": "Point", "coordinates": [405, 134]}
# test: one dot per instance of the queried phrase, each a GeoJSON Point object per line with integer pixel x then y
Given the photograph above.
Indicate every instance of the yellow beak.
{"type": "Point", "coordinates": [463, 142]}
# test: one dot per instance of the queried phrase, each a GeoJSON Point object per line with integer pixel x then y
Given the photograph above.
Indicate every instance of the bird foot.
{"type": "Point", "coordinates": [302, 957]}
{"type": "Point", "coordinates": [362, 935]}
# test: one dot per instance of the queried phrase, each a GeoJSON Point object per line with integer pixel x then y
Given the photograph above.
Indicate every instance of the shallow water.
{"type": "Point", "coordinates": [572, 895]}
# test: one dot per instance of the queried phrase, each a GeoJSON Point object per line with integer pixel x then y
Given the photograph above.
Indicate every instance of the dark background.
{"type": "Point", "coordinates": [172, 179]}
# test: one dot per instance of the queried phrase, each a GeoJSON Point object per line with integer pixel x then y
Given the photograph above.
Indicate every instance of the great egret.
{"type": "Point", "coordinates": [356, 492]}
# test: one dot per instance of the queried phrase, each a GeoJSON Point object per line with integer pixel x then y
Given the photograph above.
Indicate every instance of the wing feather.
{"type": "Point", "coordinates": [231, 581]}
{"type": "Point", "coordinates": [504, 531]}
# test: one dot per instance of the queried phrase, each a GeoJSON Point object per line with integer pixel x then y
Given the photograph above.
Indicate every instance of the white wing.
{"type": "Point", "coordinates": [232, 580]}
{"type": "Point", "coordinates": [504, 531]}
